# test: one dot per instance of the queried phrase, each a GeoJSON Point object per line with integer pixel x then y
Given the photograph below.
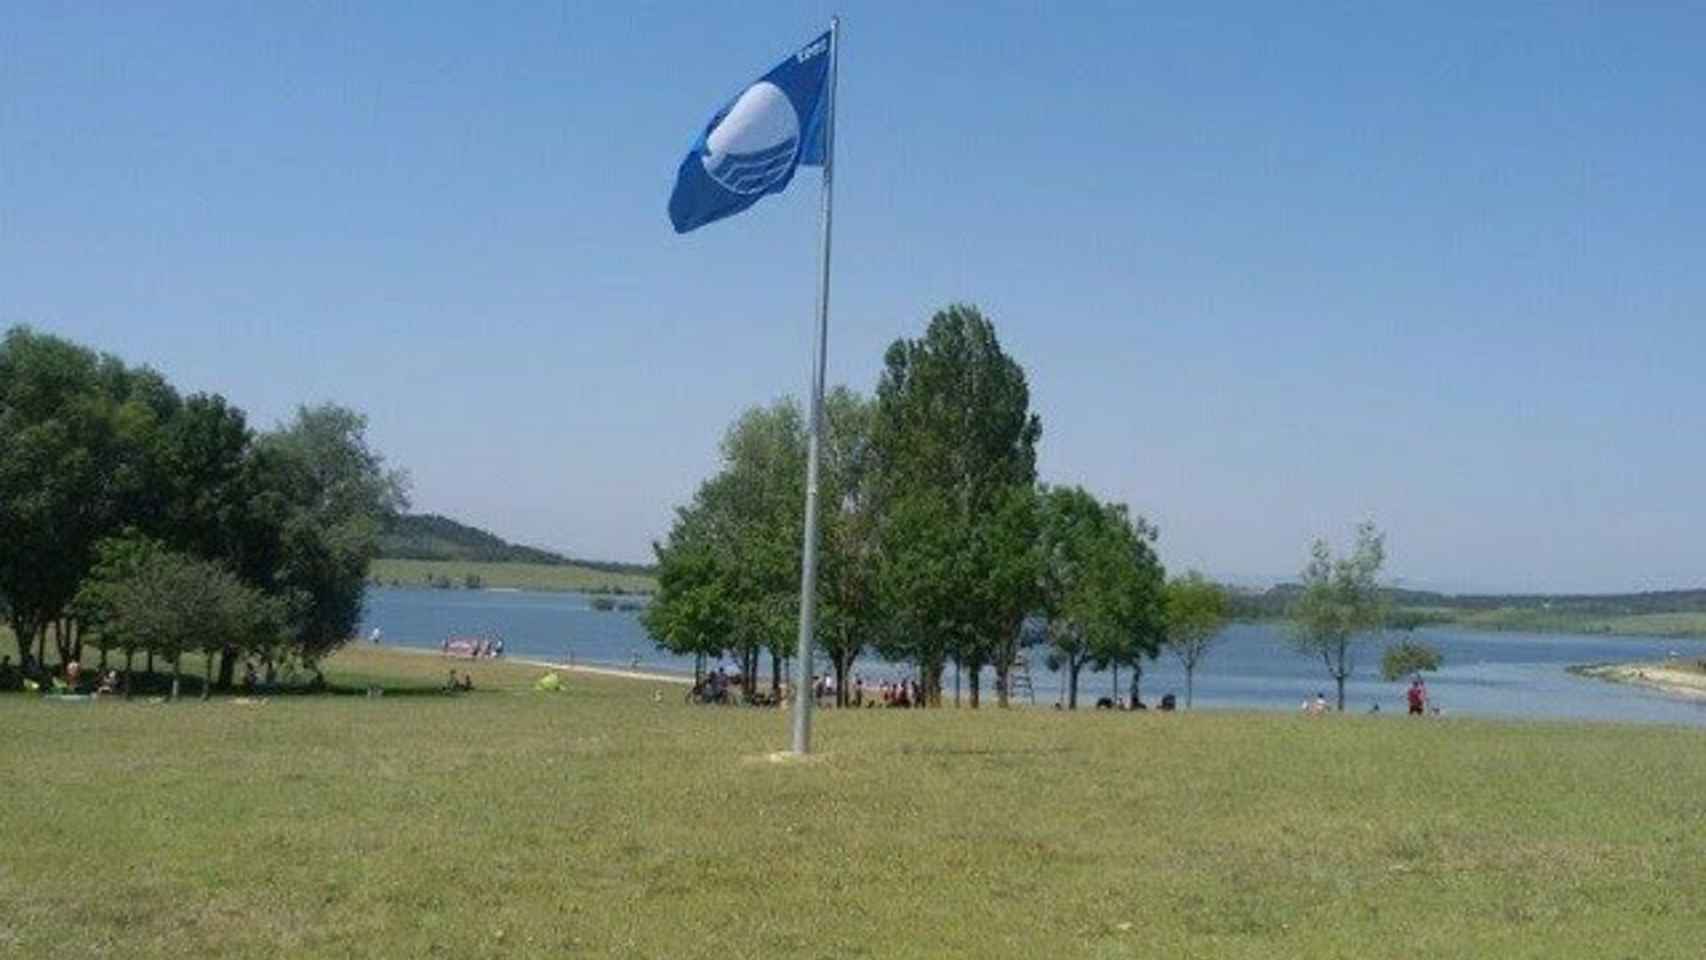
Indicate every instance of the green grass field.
{"type": "Point", "coordinates": [1548, 621]}
{"type": "Point", "coordinates": [525, 576]}
{"type": "Point", "coordinates": [597, 822]}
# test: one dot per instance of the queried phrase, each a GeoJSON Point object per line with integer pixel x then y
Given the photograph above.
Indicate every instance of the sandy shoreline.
{"type": "Point", "coordinates": [550, 665]}
{"type": "Point", "coordinates": [610, 672]}
{"type": "Point", "coordinates": [1669, 678]}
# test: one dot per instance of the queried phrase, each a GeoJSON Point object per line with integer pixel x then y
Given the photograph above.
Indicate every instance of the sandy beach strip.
{"type": "Point", "coordinates": [610, 672]}
{"type": "Point", "coordinates": [1670, 678]}
{"type": "Point", "coordinates": [624, 674]}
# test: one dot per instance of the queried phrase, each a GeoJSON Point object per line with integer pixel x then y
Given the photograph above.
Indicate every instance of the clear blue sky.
{"type": "Point", "coordinates": [1270, 268]}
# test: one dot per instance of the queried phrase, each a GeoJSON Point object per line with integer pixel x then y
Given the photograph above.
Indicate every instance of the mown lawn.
{"type": "Point", "coordinates": [524, 576]}
{"type": "Point", "coordinates": [603, 822]}
{"type": "Point", "coordinates": [1678, 625]}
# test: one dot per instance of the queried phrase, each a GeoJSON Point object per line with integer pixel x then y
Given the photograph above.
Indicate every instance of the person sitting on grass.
{"type": "Point", "coordinates": [108, 684]}
{"type": "Point", "coordinates": [467, 683]}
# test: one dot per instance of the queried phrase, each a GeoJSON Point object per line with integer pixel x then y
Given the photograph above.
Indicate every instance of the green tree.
{"type": "Point", "coordinates": [142, 595]}
{"type": "Point", "coordinates": [692, 613]}
{"type": "Point", "coordinates": [328, 497]}
{"type": "Point", "coordinates": [210, 503]}
{"type": "Point", "coordinates": [764, 494]}
{"type": "Point", "coordinates": [1341, 604]}
{"type": "Point", "coordinates": [102, 596]}
{"type": "Point", "coordinates": [953, 436]}
{"type": "Point", "coordinates": [239, 620]}
{"type": "Point", "coordinates": [1009, 554]}
{"type": "Point", "coordinates": [850, 612]}
{"type": "Point", "coordinates": [1407, 658]}
{"type": "Point", "coordinates": [1102, 585]}
{"type": "Point", "coordinates": [78, 439]}
{"type": "Point", "coordinates": [729, 569]}
{"type": "Point", "coordinates": [1196, 614]}
{"type": "Point", "coordinates": [1133, 605]}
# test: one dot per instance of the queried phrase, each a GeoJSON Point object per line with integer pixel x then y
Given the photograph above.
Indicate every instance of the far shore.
{"type": "Point", "coordinates": [1677, 678]}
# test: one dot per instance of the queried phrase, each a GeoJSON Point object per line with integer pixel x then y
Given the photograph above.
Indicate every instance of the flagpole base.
{"type": "Point", "coordinates": [788, 758]}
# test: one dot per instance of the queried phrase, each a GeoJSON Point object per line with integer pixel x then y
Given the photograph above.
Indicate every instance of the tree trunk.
{"type": "Point", "coordinates": [151, 663]}
{"type": "Point", "coordinates": [1073, 665]}
{"type": "Point", "coordinates": [129, 656]}
{"type": "Point", "coordinates": [1190, 675]}
{"type": "Point", "coordinates": [177, 674]}
{"type": "Point", "coordinates": [1116, 692]}
{"type": "Point", "coordinates": [1136, 678]}
{"type": "Point", "coordinates": [227, 666]}
{"type": "Point", "coordinates": [103, 658]}
{"type": "Point", "coordinates": [21, 636]}
{"type": "Point", "coordinates": [776, 679]}
{"type": "Point", "coordinates": [976, 683]}
{"type": "Point", "coordinates": [41, 647]}
{"type": "Point", "coordinates": [1339, 678]}
{"type": "Point", "coordinates": [207, 675]}
{"type": "Point", "coordinates": [1003, 683]}
{"type": "Point", "coordinates": [842, 665]}
{"type": "Point", "coordinates": [698, 669]}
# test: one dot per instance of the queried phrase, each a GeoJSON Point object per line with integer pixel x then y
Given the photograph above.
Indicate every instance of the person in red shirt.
{"type": "Point", "coordinates": [1418, 697]}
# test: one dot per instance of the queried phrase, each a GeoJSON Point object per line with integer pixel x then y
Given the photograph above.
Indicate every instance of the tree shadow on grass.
{"type": "Point", "coordinates": [144, 686]}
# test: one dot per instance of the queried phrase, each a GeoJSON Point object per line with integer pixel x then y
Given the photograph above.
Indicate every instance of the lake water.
{"type": "Point", "coordinates": [1253, 667]}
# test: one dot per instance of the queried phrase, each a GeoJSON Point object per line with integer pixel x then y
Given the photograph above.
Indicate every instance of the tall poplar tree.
{"type": "Point", "coordinates": [955, 443]}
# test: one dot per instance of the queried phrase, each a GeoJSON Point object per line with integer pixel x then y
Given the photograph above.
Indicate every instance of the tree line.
{"type": "Point", "coordinates": [939, 546]}
{"type": "Point", "coordinates": [138, 521]}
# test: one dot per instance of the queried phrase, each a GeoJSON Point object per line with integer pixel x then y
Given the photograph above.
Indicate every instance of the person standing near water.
{"type": "Point", "coordinates": [1417, 697]}
{"type": "Point", "coordinates": [374, 636]}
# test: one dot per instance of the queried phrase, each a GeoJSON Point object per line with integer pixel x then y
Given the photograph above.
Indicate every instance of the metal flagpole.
{"type": "Point", "coordinates": [820, 351]}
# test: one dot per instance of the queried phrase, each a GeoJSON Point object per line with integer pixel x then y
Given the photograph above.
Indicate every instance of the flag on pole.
{"type": "Point", "coordinates": [753, 144]}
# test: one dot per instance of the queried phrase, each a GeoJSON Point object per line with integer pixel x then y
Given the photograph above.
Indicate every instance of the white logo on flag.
{"type": "Point", "coordinates": [754, 145]}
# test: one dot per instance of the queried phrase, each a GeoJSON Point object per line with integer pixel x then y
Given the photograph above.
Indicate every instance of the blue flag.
{"type": "Point", "coordinates": [752, 145]}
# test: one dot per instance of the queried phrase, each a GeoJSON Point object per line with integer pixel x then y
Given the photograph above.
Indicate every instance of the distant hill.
{"type": "Point", "coordinates": [429, 536]}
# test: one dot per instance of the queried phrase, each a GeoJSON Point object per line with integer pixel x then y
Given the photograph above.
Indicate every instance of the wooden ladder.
{"type": "Point", "coordinates": [1020, 678]}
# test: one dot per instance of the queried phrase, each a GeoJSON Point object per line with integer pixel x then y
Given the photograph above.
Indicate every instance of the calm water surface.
{"type": "Point", "coordinates": [1493, 674]}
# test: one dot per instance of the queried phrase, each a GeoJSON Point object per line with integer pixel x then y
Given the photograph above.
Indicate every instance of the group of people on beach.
{"type": "Point", "coordinates": [473, 647]}
{"type": "Point", "coordinates": [902, 694]}
{"type": "Point", "coordinates": [719, 686]}
{"type": "Point", "coordinates": [1167, 704]}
